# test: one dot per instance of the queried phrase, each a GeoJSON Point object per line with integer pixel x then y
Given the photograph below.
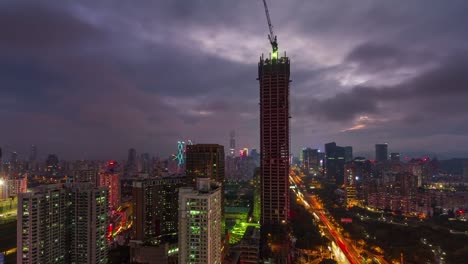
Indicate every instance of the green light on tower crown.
{"type": "Point", "coordinates": [274, 53]}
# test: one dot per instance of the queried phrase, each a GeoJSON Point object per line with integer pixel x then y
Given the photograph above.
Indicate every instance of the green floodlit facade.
{"type": "Point", "coordinates": [238, 231]}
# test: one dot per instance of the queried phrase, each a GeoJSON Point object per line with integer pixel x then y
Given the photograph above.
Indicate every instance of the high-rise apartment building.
{"type": "Point", "coordinates": [112, 182]}
{"type": "Point", "coordinates": [205, 161]}
{"type": "Point", "coordinates": [381, 152]}
{"type": "Point", "coordinates": [156, 208]}
{"type": "Point", "coordinates": [88, 223]}
{"type": "Point", "coordinates": [200, 227]}
{"type": "Point", "coordinates": [42, 226]}
{"type": "Point", "coordinates": [62, 225]}
{"type": "Point", "coordinates": [273, 75]}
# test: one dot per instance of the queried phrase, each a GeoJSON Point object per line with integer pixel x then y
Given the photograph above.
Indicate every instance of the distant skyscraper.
{"type": "Point", "coordinates": [33, 155]}
{"type": "Point", "coordinates": [381, 152]}
{"type": "Point", "coordinates": [348, 153]}
{"type": "Point", "coordinates": [131, 168]}
{"type": "Point", "coordinates": [155, 208]}
{"type": "Point", "coordinates": [205, 161]}
{"type": "Point", "coordinates": [232, 144]}
{"type": "Point", "coordinates": [200, 228]}
{"type": "Point", "coordinates": [14, 159]}
{"type": "Point", "coordinates": [273, 75]}
{"type": "Point", "coordinates": [146, 163]}
{"type": "Point", "coordinates": [395, 157]}
{"type": "Point", "coordinates": [62, 225]}
{"type": "Point", "coordinates": [310, 160]}
{"type": "Point", "coordinates": [335, 161]}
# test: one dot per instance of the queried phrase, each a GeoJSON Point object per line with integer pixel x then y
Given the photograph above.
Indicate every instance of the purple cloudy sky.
{"type": "Point", "coordinates": [89, 79]}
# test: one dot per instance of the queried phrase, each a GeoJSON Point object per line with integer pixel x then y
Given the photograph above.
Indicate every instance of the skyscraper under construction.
{"type": "Point", "coordinates": [273, 74]}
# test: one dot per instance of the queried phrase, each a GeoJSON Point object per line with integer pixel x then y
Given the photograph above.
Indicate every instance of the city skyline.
{"type": "Point", "coordinates": [107, 77]}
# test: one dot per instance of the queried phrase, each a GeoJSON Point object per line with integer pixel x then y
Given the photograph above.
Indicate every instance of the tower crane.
{"type": "Point", "coordinates": [271, 36]}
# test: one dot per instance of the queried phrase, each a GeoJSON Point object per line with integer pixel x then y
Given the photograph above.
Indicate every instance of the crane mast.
{"type": "Point", "coordinates": [271, 36]}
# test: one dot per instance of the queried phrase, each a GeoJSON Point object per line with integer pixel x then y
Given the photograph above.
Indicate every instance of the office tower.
{"type": "Point", "coordinates": [42, 226]}
{"type": "Point", "coordinates": [335, 161]}
{"type": "Point", "coordinates": [348, 153]}
{"type": "Point", "coordinates": [350, 184]}
{"type": "Point", "coordinates": [131, 168]}
{"type": "Point", "coordinates": [112, 182]}
{"type": "Point", "coordinates": [205, 161]}
{"type": "Point", "coordinates": [273, 75]}
{"type": "Point", "coordinates": [232, 144]}
{"type": "Point", "coordinates": [330, 164]}
{"type": "Point", "coordinates": [310, 160]}
{"type": "Point", "coordinates": [381, 152]}
{"type": "Point", "coordinates": [88, 218]}
{"type": "Point", "coordinates": [200, 228]}
{"type": "Point", "coordinates": [155, 205]}
{"type": "Point", "coordinates": [52, 165]}
{"type": "Point", "coordinates": [395, 157]}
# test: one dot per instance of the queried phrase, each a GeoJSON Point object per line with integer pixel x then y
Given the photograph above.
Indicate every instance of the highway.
{"type": "Point", "coordinates": [329, 228]}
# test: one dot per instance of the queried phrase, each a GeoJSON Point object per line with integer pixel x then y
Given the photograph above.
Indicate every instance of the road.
{"type": "Point", "coordinates": [331, 230]}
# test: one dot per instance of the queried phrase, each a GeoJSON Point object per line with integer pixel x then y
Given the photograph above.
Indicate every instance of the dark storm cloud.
{"type": "Point", "coordinates": [37, 28]}
{"type": "Point", "coordinates": [93, 78]}
{"type": "Point", "coordinates": [442, 91]}
{"type": "Point", "coordinates": [373, 57]}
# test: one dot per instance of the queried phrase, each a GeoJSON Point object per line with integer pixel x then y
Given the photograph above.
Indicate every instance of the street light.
{"type": "Point", "coordinates": [2, 182]}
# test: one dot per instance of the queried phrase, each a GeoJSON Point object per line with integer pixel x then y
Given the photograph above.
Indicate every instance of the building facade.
{"type": "Point", "coordinates": [112, 182]}
{"type": "Point", "coordinates": [200, 228]}
{"type": "Point", "coordinates": [381, 152]}
{"type": "Point", "coordinates": [155, 203]}
{"type": "Point", "coordinates": [88, 223]}
{"type": "Point", "coordinates": [42, 226]}
{"type": "Point", "coordinates": [205, 161]}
